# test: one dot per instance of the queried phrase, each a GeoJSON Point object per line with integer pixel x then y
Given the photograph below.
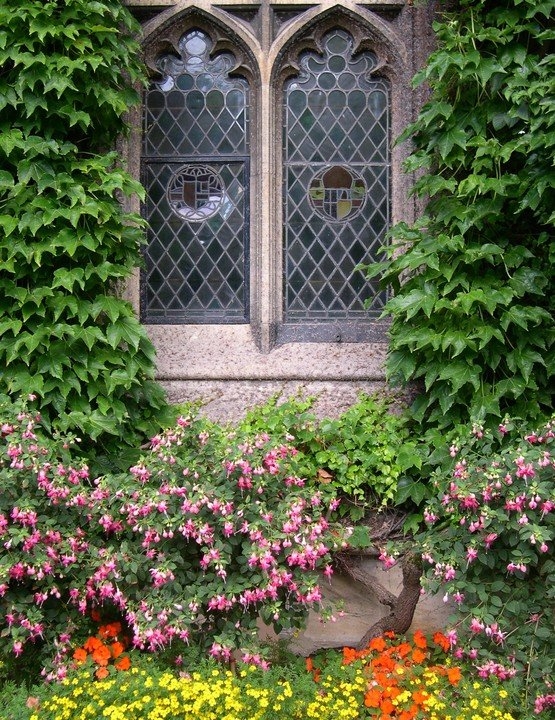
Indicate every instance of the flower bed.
{"type": "Point", "coordinates": [392, 679]}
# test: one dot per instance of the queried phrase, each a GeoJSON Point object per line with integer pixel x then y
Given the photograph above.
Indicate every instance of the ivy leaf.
{"type": "Point", "coordinates": [459, 373]}
{"type": "Point", "coordinates": [124, 330]}
{"type": "Point", "coordinates": [8, 224]}
{"type": "Point", "coordinates": [523, 360]}
{"type": "Point", "coordinates": [449, 139]}
{"type": "Point", "coordinates": [68, 278]}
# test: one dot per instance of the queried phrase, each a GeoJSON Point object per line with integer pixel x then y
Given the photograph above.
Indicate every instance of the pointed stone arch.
{"type": "Point", "coordinates": [162, 34]}
{"type": "Point", "coordinates": [368, 29]}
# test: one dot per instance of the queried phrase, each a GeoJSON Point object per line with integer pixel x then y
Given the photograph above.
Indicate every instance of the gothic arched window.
{"type": "Point", "coordinates": [270, 176]}
{"type": "Point", "coordinates": [335, 189]}
{"type": "Point", "coordinates": [195, 172]}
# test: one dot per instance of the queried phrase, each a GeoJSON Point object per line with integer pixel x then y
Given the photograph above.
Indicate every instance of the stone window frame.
{"type": "Point", "coordinates": [266, 55]}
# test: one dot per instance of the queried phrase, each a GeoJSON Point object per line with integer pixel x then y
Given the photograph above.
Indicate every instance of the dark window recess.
{"type": "Point", "coordinates": [195, 168]}
{"type": "Point", "coordinates": [336, 193]}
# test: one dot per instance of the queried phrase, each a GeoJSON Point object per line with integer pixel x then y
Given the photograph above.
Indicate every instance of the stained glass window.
{"type": "Point", "coordinates": [335, 184]}
{"type": "Point", "coordinates": [195, 169]}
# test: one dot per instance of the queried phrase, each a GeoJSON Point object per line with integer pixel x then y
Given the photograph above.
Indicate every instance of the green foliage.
{"type": "Point", "coordinates": [365, 454]}
{"type": "Point", "coordinates": [68, 70]}
{"type": "Point", "coordinates": [474, 279]}
{"type": "Point", "coordinates": [13, 699]}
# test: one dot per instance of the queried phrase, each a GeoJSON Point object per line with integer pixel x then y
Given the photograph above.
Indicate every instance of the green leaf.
{"type": "Point", "coordinates": [10, 324]}
{"type": "Point", "coordinates": [55, 362]}
{"type": "Point", "coordinates": [68, 278]}
{"type": "Point", "coordinates": [456, 341]}
{"type": "Point", "coordinates": [523, 316]}
{"type": "Point", "coordinates": [125, 330]}
{"type": "Point", "coordinates": [449, 139]}
{"type": "Point", "coordinates": [524, 359]}
{"type": "Point", "coordinates": [8, 224]}
{"type": "Point", "coordinates": [459, 373]}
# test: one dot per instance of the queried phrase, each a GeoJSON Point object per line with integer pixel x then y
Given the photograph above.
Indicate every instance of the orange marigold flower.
{"type": "Point", "coordinates": [92, 644]}
{"type": "Point", "coordinates": [391, 691]}
{"type": "Point", "coordinates": [454, 675]}
{"type": "Point", "coordinates": [109, 631]}
{"type": "Point", "coordinates": [383, 679]}
{"type": "Point", "coordinates": [420, 696]}
{"type": "Point", "coordinates": [419, 639]}
{"type": "Point", "coordinates": [80, 655]}
{"type": "Point", "coordinates": [373, 698]}
{"type": "Point", "coordinates": [418, 655]}
{"type": "Point", "coordinates": [101, 655]}
{"type": "Point", "coordinates": [440, 639]}
{"type": "Point", "coordinates": [389, 634]}
{"type": "Point", "coordinates": [377, 643]}
{"type": "Point", "coordinates": [309, 664]}
{"type": "Point", "coordinates": [383, 661]}
{"type": "Point", "coordinates": [116, 648]}
{"type": "Point", "coordinates": [386, 706]}
{"type": "Point", "coordinates": [102, 673]}
{"type": "Point", "coordinates": [349, 655]}
{"type": "Point", "coordinates": [403, 649]}
{"type": "Point", "coordinates": [123, 663]}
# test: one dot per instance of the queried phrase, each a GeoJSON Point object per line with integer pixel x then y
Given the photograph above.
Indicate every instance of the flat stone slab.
{"type": "Point", "coordinates": [361, 609]}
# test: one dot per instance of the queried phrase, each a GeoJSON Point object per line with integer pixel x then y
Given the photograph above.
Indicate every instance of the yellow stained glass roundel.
{"type": "Point", "coordinates": [337, 193]}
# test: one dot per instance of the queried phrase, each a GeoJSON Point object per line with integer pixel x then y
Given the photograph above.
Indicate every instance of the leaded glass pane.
{"type": "Point", "coordinates": [336, 183]}
{"type": "Point", "coordinates": [195, 267]}
{"type": "Point", "coordinates": [195, 170]}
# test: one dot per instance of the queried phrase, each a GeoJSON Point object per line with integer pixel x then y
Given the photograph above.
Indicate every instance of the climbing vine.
{"type": "Point", "coordinates": [472, 311]}
{"type": "Point", "coordinates": [68, 69]}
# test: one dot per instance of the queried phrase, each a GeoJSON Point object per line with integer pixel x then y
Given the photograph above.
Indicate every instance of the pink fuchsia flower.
{"type": "Point", "coordinates": [469, 502]}
{"type": "Point", "coordinates": [543, 702]}
{"type": "Point", "coordinates": [449, 573]}
{"type": "Point", "coordinates": [471, 554]}
{"type": "Point", "coordinates": [524, 470]}
{"type": "Point", "coordinates": [476, 626]}
{"type": "Point", "coordinates": [17, 648]}
{"type": "Point", "coordinates": [495, 633]}
{"type": "Point", "coordinates": [492, 668]}
{"type": "Point", "coordinates": [220, 652]}
{"type": "Point", "coordinates": [387, 560]}
{"type": "Point", "coordinates": [490, 539]}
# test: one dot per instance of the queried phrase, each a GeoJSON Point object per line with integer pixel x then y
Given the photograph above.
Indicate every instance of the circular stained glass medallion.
{"type": "Point", "coordinates": [195, 192]}
{"type": "Point", "coordinates": [337, 193]}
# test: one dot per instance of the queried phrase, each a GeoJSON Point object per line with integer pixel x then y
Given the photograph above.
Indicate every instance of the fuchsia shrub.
{"type": "Point", "coordinates": [204, 534]}
{"type": "Point", "coordinates": [490, 548]}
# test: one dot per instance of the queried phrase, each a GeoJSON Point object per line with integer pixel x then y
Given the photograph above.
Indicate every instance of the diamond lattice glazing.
{"type": "Point", "coordinates": [195, 170]}
{"type": "Point", "coordinates": [336, 183]}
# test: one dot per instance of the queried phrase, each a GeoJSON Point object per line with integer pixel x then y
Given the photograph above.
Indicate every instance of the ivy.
{"type": "Point", "coordinates": [473, 279]}
{"type": "Point", "coordinates": [69, 73]}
